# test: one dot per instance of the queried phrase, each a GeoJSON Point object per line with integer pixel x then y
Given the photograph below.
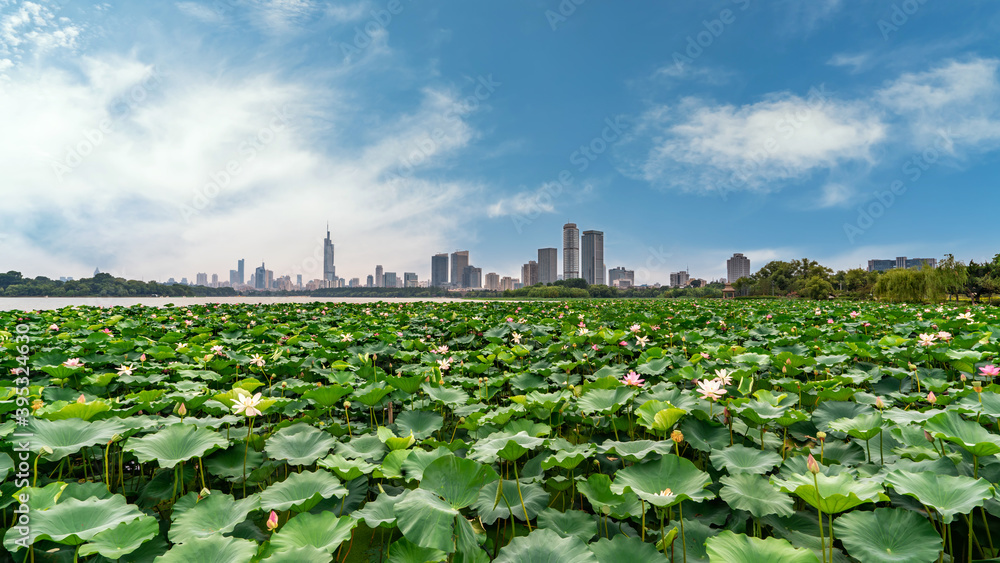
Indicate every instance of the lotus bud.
{"type": "Point", "coordinates": [284, 384]}
{"type": "Point", "coordinates": [37, 404]}
{"type": "Point", "coordinates": [677, 436]}
{"type": "Point", "coordinates": [142, 358]}
{"type": "Point", "coordinates": [605, 510]}
{"type": "Point", "coordinates": [182, 410]}
{"type": "Point", "coordinates": [812, 465]}
{"type": "Point", "coordinates": [272, 521]}
{"type": "Point", "coordinates": [963, 378]}
{"type": "Point", "coordinates": [117, 438]}
{"type": "Point", "coordinates": [81, 399]}
{"type": "Point", "coordinates": [879, 403]}
{"type": "Point", "coordinates": [784, 369]}
{"type": "Point", "coordinates": [821, 436]}
{"type": "Point", "coordinates": [347, 404]}
{"type": "Point", "coordinates": [928, 437]}
{"type": "Point", "coordinates": [931, 398]}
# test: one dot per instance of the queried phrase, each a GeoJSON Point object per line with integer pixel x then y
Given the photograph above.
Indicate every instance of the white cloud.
{"type": "Point", "coordinates": [282, 16]}
{"type": "Point", "coordinates": [526, 204]}
{"type": "Point", "coordinates": [167, 136]}
{"type": "Point", "coordinates": [957, 100]}
{"type": "Point", "coordinates": [836, 195]}
{"type": "Point", "coordinates": [30, 27]}
{"type": "Point", "coordinates": [200, 12]}
{"type": "Point", "coordinates": [802, 16]}
{"type": "Point", "coordinates": [856, 62]}
{"type": "Point", "coordinates": [347, 12]}
{"type": "Point", "coordinates": [698, 146]}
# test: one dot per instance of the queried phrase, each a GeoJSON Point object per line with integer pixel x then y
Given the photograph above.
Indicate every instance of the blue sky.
{"type": "Point", "coordinates": [161, 139]}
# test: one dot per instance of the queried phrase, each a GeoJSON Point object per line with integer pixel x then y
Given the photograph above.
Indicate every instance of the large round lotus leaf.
{"type": "Point", "coordinates": [545, 546]}
{"type": "Point", "coordinates": [889, 535]}
{"type": "Point", "coordinates": [650, 479]}
{"type": "Point", "coordinates": [456, 479]}
{"type": "Point", "coordinates": [323, 531]}
{"type": "Point", "coordinates": [426, 520]}
{"type": "Point", "coordinates": [505, 446]}
{"type": "Point", "coordinates": [367, 448]}
{"type": "Point", "coordinates": [327, 396]}
{"type": "Point", "coordinates": [605, 401]}
{"type": "Point", "coordinates": [949, 495]}
{"type": "Point", "coordinates": [214, 515]}
{"type": "Point", "coordinates": [228, 463]}
{"type": "Point", "coordinates": [381, 512]}
{"type": "Point", "coordinates": [836, 493]}
{"type": "Point", "coordinates": [637, 450]}
{"type": "Point", "coordinates": [597, 489]}
{"type": "Point", "coordinates": [307, 554]}
{"type": "Point", "coordinates": [970, 435]}
{"type": "Point", "coordinates": [493, 505]}
{"type": "Point", "coordinates": [302, 491]}
{"type": "Point", "coordinates": [754, 494]}
{"type": "Point", "coordinates": [623, 548]}
{"type": "Point", "coordinates": [211, 549]}
{"type": "Point", "coordinates": [346, 469]}
{"type": "Point", "coordinates": [123, 538]}
{"type": "Point", "coordinates": [6, 465]}
{"type": "Point", "coordinates": [421, 423]}
{"type": "Point", "coordinates": [412, 467]}
{"type": "Point", "coordinates": [405, 551]}
{"type": "Point", "coordinates": [66, 437]}
{"type": "Point", "coordinates": [299, 444]}
{"type": "Point", "coordinates": [570, 523]}
{"type": "Point", "coordinates": [175, 444]}
{"type": "Point", "coordinates": [75, 521]}
{"type": "Point", "coordinates": [862, 426]}
{"type": "Point", "coordinates": [741, 459]}
{"type": "Point", "coordinates": [728, 547]}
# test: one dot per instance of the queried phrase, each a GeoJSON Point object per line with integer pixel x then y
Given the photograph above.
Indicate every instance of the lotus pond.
{"type": "Point", "coordinates": [749, 431]}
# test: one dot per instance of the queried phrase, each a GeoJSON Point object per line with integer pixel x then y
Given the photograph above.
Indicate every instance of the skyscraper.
{"type": "Point", "coordinates": [329, 270]}
{"type": "Point", "coordinates": [201, 279]}
{"type": "Point", "coordinates": [409, 279]}
{"type": "Point", "coordinates": [260, 277]}
{"type": "Point", "coordinates": [389, 279]}
{"type": "Point", "coordinates": [592, 259]}
{"type": "Point", "coordinates": [439, 270]}
{"type": "Point", "coordinates": [529, 273]}
{"type": "Point", "coordinates": [548, 267]}
{"type": "Point", "coordinates": [737, 267]}
{"type": "Point", "coordinates": [371, 281]}
{"type": "Point", "coordinates": [459, 260]}
{"type": "Point", "coordinates": [472, 277]}
{"type": "Point", "coordinates": [492, 281]}
{"type": "Point", "coordinates": [240, 272]}
{"type": "Point", "coordinates": [379, 276]}
{"type": "Point", "coordinates": [215, 280]}
{"type": "Point", "coordinates": [571, 251]}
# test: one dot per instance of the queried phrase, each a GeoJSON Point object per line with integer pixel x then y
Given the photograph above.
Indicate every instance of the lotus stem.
{"type": "Point", "coordinates": [819, 511]}
{"type": "Point", "coordinates": [643, 504]}
{"type": "Point", "coordinates": [989, 535]}
{"type": "Point", "coordinates": [517, 481]}
{"type": "Point", "coordinates": [684, 545]}
{"type": "Point", "coordinates": [245, 452]}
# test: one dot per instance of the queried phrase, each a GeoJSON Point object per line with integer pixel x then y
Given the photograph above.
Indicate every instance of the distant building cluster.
{"type": "Point", "coordinates": [901, 262]}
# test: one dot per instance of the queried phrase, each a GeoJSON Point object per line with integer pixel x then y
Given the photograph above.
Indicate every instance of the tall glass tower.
{"type": "Point", "coordinates": [329, 270]}
{"type": "Point", "coordinates": [571, 251]}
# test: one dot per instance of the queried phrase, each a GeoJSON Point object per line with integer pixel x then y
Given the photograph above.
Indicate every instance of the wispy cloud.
{"type": "Point", "coordinates": [200, 12]}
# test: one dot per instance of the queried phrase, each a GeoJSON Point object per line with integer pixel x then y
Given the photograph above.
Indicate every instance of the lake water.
{"type": "Point", "coordinates": [49, 303]}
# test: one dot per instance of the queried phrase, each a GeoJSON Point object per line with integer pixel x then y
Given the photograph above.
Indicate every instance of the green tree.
{"type": "Point", "coordinates": [817, 287]}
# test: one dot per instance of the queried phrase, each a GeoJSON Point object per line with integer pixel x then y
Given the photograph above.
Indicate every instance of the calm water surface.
{"type": "Point", "coordinates": [49, 303]}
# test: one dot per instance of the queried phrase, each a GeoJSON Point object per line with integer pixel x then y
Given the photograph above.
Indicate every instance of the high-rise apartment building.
{"type": "Point", "coordinates": [472, 277]}
{"type": "Point", "coordinates": [329, 270]}
{"type": "Point", "coordinates": [298, 280]}
{"type": "Point", "coordinates": [618, 277]}
{"type": "Point", "coordinates": [409, 279]}
{"type": "Point", "coordinates": [371, 281]}
{"type": "Point", "coordinates": [529, 273]}
{"type": "Point", "coordinates": [388, 279]}
{"type": "Point", "coordinates": [679, 279]}
{"type": "Point", "coordinates": [240, 271]}
{"type": "Point", "coordinates": [439, 270]}
{"type": "Point", "coordinates": [492, 282]}
{"type": "Point", "coordinates": [355, 282]}
{"type": "Point", "coordinates": [571, 251]}
{"type": "Point", "coordinates": [459, 260]}
{"type": "Point", "coordinates": [215, 280]}
{"type": "Point", "coordinates": [507, 282]}
{"type": "Point", "coordinates": [548, 266]}
{"type": "Point", "coordinates": [737, 267]}
{"type": "Point", "coordinates": [592, 257]}
{"type": "Point", "coordinates": [201, 279]}
{"type": "Point", "coordinates": [379, 276]}
{"type": "Point", "coordinates": [236, 276]}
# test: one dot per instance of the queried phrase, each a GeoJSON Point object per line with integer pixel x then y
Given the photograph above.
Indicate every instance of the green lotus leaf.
{"type": "Point", "coordinates": [889, 535]}
{"type": "Point", "coordinates": [727, 547]}
{"type": "Point", "coordinates": [328, 395]}
{"type": "Point", "coordinates": [217, 549]}
{"type": "Point", "coordinates": [863, 426]}
{"type": "Point", "coordinates": [545, 546]}
{"type": "Point", "coordinates": [6, 465]}
{"type": "Point", "coordinates": [636, 450]}
{"type": "Point", "coordinates": [368, 448]}
{"type": "Point", "coordinates": [75, 521]}
{"type": "Point", "coordinates": [122, 539]}
{"type": "Point", "coordinates": [457, 480]}
{"type": "Point", "coordinates": [393, 442]}
{"type": "Point", "coordinates": [753, 493]}
{"type": "Point", "coordinates": [307, 554]}
{"type": "Point", "coordinates": [567, 455]}
{"type": "Point", "coordinates": [570, 523]}
{"type": "Point", "coordinates": [421, 424]}
{"type": "Point", "coordinates": [622, 548]}
{"type": "Point", "coordinates": [499, 499]}
{"type": "Point", "coordinates": [650, 479]}
{"type": "Point", "coordinates": [228, 463]}
{"type": "Point", "coordinates": [658, 416]}
{"type": "Point", "coordinates": [504, 446]}
{"type": "Point", "coordinates": [70, 410]}
{"type": "Point", "coordinates": [975, 439]}
{"type": "Point", "coordinates": [299, 444]}
{"type": "Point", "coordinates": [214, 515]}
{"type": "Point", "coordinates": [68, 436]}
{"type": "Point", "coordinates": [323, 531]}
{"type": "Point", "coordinates": [949, 495]}
{"type": "Point", "coordinates": [427, 520]}
{"type": "Point", "coordinates": [302, 491]}
{"type": "Point", "coordinates": [445, 395]}
{"type": "Point", "coordinates": [175, 444]}
{"type": "Point", "coordinates": [380, 512]}
{"type": "Point", "coordinates": [597, 489]}
{"type": "Point", "coordinates": [412, 467]}
{"type": "Point", "coordinates": [741, 459]}
{"type": "Point", "coordinates": [346, 469]}
{"type": "Point", "coordinates": [605, 401]}
{"type": "Point", "coordinates": [405, 551]}
{"type": "Point", "coordinates": [836, 493]}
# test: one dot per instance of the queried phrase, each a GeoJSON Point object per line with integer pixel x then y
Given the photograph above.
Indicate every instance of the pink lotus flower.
{"type": "Point", "coordinates": [53, 327]}
{"type": "Point", "coordinates": [723, 377]}
{"type": "Point", "coordinates": [812, 465]}
{"type": "Point", "coordinates": [595, 347]}
{"type": "Point", "coordinates": [632, 379]}
{"type": "Point", "coordinates": [768, 317]}
{"type": "Point", "coordinates": [943, 335]}
{"type": "Point", "coordinates": [829, 321]}
{"type": "Point", "coordinates": [142, 358]}
{"type": "Point", "coordinates": [635, 328]}
{"type": "Point", "coordinates": [927, 339]}
{"type": "Point", "coordinates": [81, 399]}
{"type": "Point", "coordinates": [705, 355]}
{"type": "Point", "coordinates": [931, 397]}
{"type": "Point", "coordinates": [711, 390]}
{"type": "Point", "coordinates": [73, 363]}
{"type": "Point", "coordinates": [855, 314]}
{"type": "Point", "coordinates": [106, 330]}
{"type": "Point", "coordinates": [989, 371]}
{"type": "Point", "coordinates": [623, 343]}
{"type": "Point", "coordinates": [272, 521]}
